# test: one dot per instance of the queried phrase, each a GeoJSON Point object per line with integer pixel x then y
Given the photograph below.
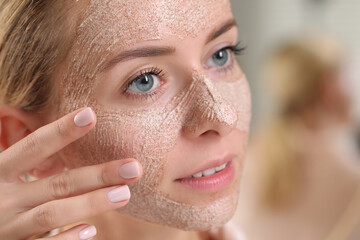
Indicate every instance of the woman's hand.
{"type": "Point", "coordinates": [30, 208]}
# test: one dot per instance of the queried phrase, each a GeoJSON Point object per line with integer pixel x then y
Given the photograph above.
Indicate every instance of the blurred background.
{"type": "Point", "coordinates": [262, 24]}
{"type": "Point", "coordinates": [302, 177]}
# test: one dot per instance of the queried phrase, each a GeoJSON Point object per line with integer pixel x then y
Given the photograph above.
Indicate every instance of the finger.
{"type": "Point", "coordinates": [83, 232]}
{"type": "Point", "coordinates": [44, 142]}
{"type": "Point", "coordinates": [63, 212]}
{"type": "Point", "coordinates": [79, 181]}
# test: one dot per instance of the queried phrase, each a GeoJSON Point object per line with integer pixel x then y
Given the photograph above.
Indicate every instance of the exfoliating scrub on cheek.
{"type": "Point", "coordinates": [149, 134]}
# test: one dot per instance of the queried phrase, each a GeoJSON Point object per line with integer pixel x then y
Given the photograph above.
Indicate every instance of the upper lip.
{"type": "Point", "coordinates": [227, 157]}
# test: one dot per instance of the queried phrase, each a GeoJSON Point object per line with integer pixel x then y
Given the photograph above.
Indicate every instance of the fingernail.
{"type": "Point", "coordinates": [119, 194]}
{"type": "Point", "coordinates": [87, 233]}
{"type": "Point", "coordinates": [84, 118]}
{"type": "Point", "coordinates": [129, 170]}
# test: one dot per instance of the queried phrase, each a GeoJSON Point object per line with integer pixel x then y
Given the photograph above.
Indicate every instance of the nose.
{"type": "Point", "coordinates": [209, 110]}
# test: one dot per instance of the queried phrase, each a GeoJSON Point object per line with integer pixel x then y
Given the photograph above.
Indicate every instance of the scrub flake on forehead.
{"type": "Point", "coordinates": [112, 25]}
{"type": "Point", "coordinates": [129, 21]}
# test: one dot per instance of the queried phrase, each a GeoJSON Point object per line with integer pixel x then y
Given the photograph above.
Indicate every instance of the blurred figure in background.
{"type": "Point", "coordinates": [301, 182]}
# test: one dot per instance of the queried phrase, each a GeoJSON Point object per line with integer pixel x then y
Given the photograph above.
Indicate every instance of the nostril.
{"type": "Point", "coordinates": [210, 132]}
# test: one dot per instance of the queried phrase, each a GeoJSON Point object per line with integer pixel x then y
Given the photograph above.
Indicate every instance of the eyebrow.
{"type": "Point", "coordinates": [139, 53]}
{"type": "Point", "coordinates": [164, 50]}
{"type": "Point", "coordinates": [229, 24]}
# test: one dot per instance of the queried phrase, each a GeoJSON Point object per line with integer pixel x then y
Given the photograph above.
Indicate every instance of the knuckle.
{"type": "Point", "coordinates": [103, 177]}
{"type": "Point", "coordinates": [92, 207]}
{"type": "Point", "coordinates": [31, 145]}
{"type": "Point", "coordinates": [95, 205]}
{"type": "Point", "coordinates": [60, 186]}
{"type": "Point", "coordinates": [63, 129]}
{"type": "Point", "coordinates": [45, 217]}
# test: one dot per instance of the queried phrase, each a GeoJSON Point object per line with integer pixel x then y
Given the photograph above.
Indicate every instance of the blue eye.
{"type": "Point", "coordinates": [144, 83]}
{"type": "Point", "coordinates": [219, 59]}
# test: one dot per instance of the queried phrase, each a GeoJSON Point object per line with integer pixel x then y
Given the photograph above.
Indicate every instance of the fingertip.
{"type": "Point", "coordinates": [88, 232]}
{"type": "Point", "coordinates": [85, 117]}
{"type": "Point", "coordinates": [119, 194]}
{"type": "Point", "coordinates": [130, 170]}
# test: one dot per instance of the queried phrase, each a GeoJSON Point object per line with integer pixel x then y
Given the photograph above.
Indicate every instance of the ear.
{"type": "Point", "coordinates": [16, 124]}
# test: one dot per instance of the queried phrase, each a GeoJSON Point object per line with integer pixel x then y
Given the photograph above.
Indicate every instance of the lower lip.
{"type": "Point", "coordinates": [211, 183]}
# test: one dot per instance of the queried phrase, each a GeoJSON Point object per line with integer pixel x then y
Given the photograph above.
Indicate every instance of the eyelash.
{"type": "Point", "coordinates": [235, 49]}
{"type": "Point", "coordinates": [144, 96]}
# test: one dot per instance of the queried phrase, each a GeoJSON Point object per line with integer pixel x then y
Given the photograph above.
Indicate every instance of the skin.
{"type": "Point", "coordinates": [36, 207]}
{"type": "Point", "coordinates": [85, 80]}
{"type": "Point", "coordinates": [150, 130]}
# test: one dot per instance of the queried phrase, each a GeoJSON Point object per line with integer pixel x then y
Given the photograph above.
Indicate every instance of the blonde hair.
{"type": "Point", "coordinates": [294, 73]}
{"type": "Point", "coordinates": [295, 69]}
{"type": "Point", "coordinates": [35, 36]}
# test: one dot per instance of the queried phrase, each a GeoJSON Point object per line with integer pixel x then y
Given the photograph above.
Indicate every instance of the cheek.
{"type": "Point", "coordinates": [149, 136]}
{"type": "Point", "coordinates": [146, 136]}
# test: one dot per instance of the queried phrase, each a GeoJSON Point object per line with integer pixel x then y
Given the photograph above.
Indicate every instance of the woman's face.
{"type": "Point", "coordinates": [162, 79]}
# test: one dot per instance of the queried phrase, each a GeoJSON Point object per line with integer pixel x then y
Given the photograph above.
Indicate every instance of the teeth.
{"type": "Point", "coordinates": [220, 167]}
{"type": "Point", "coordinates": [210, 171]}
{"type": "Point", "coordinates": [198, 175]}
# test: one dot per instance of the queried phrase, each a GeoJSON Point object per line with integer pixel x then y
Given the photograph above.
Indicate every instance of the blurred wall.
{"type": "Point", "coordinates": [262, 23]}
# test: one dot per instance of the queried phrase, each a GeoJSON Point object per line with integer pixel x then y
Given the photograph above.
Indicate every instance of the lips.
{"type": "Point", "coordinates": [210, 171]}
{"type": "Point", "coordinates": [210, 168]}
{"type": "Point", "coordinates": [212, 177]}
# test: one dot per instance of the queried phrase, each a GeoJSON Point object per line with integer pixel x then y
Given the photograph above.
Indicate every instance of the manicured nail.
{"type": "Point", "coordinates": [119, 194]}
{"type": "Point", "coordinates": [129, 170]}
{"type": "Point", "coordinates": [84, 118]}
{"type": "Point", "coordinates": [87, 233]}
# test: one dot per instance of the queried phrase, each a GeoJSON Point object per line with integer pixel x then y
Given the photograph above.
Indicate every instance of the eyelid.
{"type": "Point", "coordinates": [150, 70]}
{"type": "Point", "coordinates": [146, 96]}
{"type": "Point", "coordinates": [224, 47]}
{"type": "Point", "coordinates": [217, 48]}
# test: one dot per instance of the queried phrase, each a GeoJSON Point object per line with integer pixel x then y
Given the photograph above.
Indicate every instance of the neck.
{"type": "Point", "coordinates": [114, 225]}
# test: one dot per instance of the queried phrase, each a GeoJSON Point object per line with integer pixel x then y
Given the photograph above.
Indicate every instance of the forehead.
{"type": "Point", "coordinates": [126, 22]}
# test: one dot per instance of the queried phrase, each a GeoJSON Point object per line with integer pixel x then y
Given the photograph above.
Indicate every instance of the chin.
{"type": "Point", "coordinates": [157, 208]}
